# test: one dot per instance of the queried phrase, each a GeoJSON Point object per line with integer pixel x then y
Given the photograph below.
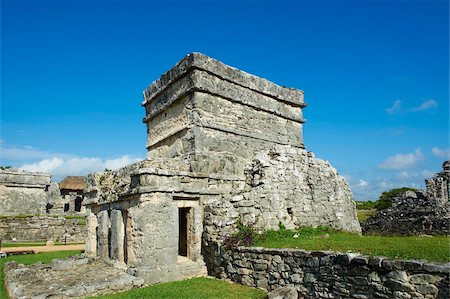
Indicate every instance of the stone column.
{"type": "Point", "coordinates": [117, 236]}
{"type": "Point", "coordinates": [91, 239]}
{"type": "Point", "coordinates": [102, 234]}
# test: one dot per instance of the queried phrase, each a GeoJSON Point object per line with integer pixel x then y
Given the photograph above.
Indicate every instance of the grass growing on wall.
{"type": "Point", "coordinates": [431, 248]}
{"type": "Point", "coordinates": [195, 288]}
{"type": "Point", "coordinates": [28, 259]}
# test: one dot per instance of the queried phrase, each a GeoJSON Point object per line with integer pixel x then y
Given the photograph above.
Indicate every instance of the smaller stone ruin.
{"type": "Point", "coordinates": [33, 208]}
{"type": "Point", "coordinates": [416, 212]}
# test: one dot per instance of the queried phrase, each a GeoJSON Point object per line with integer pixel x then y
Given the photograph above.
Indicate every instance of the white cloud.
{"type": "Point", "coordinates": [62, 167]}
{"type": "Point", "coordinates": [120, 162]}
{"type": "Point", "coordinates": [428, 104]}
{"type": "Point", "coordinates": [402, 161]}
{"type": "Point", "coordinates": [46, 165]}
{"type": "Point", "coordinates": [441, 153]}
{"type": "Point", "coordinates": [396, 107]}
{"type": "Point", "coordinates": [362, 184]}
{"type": "Point", "coordinates": [25, 153]}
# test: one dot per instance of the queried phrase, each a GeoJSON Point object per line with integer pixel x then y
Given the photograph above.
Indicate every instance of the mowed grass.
{"type": "Point", "coordinates": [28, 259]}
{"type": "Point", "coordinates": [436, 248]}
{"type": "Point", "coordinates": [195, 288]}
{"type": "Point", "coordinates": [25, 244]}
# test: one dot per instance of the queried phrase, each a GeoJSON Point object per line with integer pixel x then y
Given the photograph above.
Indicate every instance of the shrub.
{"type": "Point", "coordinates": [386, 198]}
{"type": "Point", "coordinates": [244, 236]}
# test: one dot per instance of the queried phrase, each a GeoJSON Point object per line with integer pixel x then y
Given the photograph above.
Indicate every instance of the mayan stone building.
{"type": "Point", "coordinates": [223, 146]}
{"type": "Point", "coordinates": [23, 192]}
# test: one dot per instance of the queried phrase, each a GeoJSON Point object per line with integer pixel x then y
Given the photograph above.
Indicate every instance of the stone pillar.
{"type": "Point", "coordinates": [102, 234]}
{"type": "Point", "coordinates": [91, 239]}
{"type": "Point", "coordinates": [117, 236]}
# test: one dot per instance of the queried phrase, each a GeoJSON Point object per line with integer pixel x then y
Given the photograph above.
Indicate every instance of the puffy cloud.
{"type": "Point", "coordinates": [62, 167]}
{"type": "Point", "coordinates": [120, 162]}
{"type": "Point", "coordinates": [26, 153]}
{"type": "Point", "coordinates": [402, 161]}
{"type": "Point", "coordinates": [46, 165]}
{"type": "Point", "coordinates": [428, 104]}
{"type": "Point", "coordinates": [441, 153]}
{"type": "Point", "coordinates": [396, 107]}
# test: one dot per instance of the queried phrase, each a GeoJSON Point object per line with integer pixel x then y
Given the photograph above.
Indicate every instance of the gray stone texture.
{"type": "Point", "coordinates": [23, 192]}
{"type": "Point", "coordinates": [416, 212]}
{"type": "Point", "coordinates": [223, 146]}
{"type": "Point", "coordinates": [42, 228]}
{"type": "Point", "coordinates": [334, 275]}
{"type": "Point", "coordinates": [70, 278]}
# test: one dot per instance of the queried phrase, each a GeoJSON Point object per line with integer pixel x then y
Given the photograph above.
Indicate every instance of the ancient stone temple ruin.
{"type": "Point", "coordinates": [417, 212]}
{"type": "Point", "coordinates": [223, 146]}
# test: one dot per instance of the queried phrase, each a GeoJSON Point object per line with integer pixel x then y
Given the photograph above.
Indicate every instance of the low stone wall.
{"type": "Point", "coordinates": [325, 274]}
{"type": "Point", "coordinates": [42, 228]}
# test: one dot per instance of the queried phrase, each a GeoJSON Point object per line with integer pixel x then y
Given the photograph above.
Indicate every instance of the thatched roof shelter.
{"type": "Point", "coordinates": [72, 183]}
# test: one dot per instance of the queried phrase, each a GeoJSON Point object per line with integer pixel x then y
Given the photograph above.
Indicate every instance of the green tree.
{"type": "Point", "coordinates": [386, 198]}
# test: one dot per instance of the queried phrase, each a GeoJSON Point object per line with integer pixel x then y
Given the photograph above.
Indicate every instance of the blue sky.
{"type": "Point", "coordinates": [375, 76]}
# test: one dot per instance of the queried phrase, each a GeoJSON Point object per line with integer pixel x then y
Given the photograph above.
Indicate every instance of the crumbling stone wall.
{"type": "Point", "coordinates": [416, 212]}
{"type": "Point", "coordinates": [42, 228]}
{"type": "Point", "coordinates": [23, 192]}
{"type": "Point", "coordinates": [326, 274]}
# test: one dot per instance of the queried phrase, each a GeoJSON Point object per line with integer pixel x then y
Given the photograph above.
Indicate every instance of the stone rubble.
{"type": "Point", "coordinates": [416, 212]}
{"type": "Point", "coordinates": [75, 277]}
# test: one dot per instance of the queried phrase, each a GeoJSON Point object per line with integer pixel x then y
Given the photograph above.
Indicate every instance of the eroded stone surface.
{"type": "Point", "coordinates": [73, 277]}
{"type": "Point", "coordinates": [417, 212]}
{"type": "Point", "coordinates": [324, 274]}
{"type": "Point", "coordinates": [224, 147]}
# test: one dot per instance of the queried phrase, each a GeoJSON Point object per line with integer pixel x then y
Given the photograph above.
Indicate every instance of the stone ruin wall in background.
{"type": "Point", "coordinates": [24, 213]}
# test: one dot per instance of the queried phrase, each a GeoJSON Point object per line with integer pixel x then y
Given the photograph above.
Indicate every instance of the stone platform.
{"type": "Point", "coordinates": [74, 277]}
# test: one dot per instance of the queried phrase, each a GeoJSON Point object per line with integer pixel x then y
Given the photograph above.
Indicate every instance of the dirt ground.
{"type": "Point", "coordinates": [46, 248]}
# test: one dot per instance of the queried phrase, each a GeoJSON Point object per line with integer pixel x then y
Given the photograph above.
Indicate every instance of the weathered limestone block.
{"type": "Point", "coordinates": [103, 231]}
{"type": "Point", "coordinates": [223, 146]}
{"type": "Point", "coordinates": [23, 192]}
{"type": "Point", "coordinates": [42, 228]}
{"type": "Point", "coordinates": [117, 236]}
{"type": "Point", "coordinates": [326, 274]}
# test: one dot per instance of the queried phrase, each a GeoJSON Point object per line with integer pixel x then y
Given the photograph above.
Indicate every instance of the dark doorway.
{"type": "Point", "coordinates": [183, 214]}
{"type": "Point", "coordinates": [48, 207]}
{"type": "Point", "coordinates": [78, 201]}
{"type": "Point", "coordinates": [66, 207]}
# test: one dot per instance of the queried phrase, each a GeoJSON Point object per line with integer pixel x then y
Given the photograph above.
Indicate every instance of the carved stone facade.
{"type": "Point", "coordinates": [223, 146]}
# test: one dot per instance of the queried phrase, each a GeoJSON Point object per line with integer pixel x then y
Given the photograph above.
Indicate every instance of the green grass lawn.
{"type": "Point", "coordinates": [364, 214]}
{"type": "Point", "coordinates": [195, 288]}
{"type": "Point", "coordinates": [27, 259]}
{"type": "Point", "coordinates": [436, 248]}
{"type": "Point", "coordinates": [25, 244]}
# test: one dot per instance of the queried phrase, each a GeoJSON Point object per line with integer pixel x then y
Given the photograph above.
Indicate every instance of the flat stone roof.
{"type": "Point", "coordinates": [205, 63]}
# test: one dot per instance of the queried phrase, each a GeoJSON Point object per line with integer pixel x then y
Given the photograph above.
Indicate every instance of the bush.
{"type": "Point", "coordinates": [245, 236]}
{"type": "Point", "coordinates": [386, 198]}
